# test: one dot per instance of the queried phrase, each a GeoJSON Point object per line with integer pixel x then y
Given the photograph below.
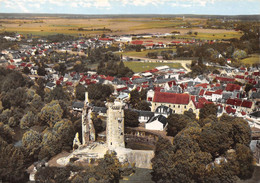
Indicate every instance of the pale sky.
{"type": "Point", "coordinates": [212, 7]}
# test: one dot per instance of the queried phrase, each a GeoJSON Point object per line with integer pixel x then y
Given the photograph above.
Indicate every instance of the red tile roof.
{"type": "Point", "coordinates": [201, 92]}
{"type": "Point", "coordinates": [109, 78]}
{"type": "Point", "coordinates": [236, 102]}
{"type": "Point", "coordinates": [230, 110]}
{"type": "Point", "coordinates": [137, 42]}
{"type": "Point", "coordinates": [125, 78]}
{"type": "Point", "coordinates": [247, 104]}
{"type": "Point", "coordinates": [225, 79]}
{"type": "Point", "coordinates": [173, 98]}
{"type": "Point", "coordinates": [121, 89]}
{"type": "Point", "coordinates": [240, 77]}
{"type": "Point", "coordinates": [204, 85]}
{"type": "Point", "coordinates": [232, 87]}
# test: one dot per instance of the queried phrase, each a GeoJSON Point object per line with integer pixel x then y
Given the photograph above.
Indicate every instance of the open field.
{"type": "Point", "coordinates": [143, 53]}
{"type": "Point", "coordinates": [144, 66]}
{"type": "Point", "coordinates": [115, 26]}
{"type": "Point", "coordinates": [255, 58]}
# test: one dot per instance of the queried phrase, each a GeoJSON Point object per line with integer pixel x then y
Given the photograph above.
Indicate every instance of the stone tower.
{"type": "Point", "coordinates": [88, 130]}
{"type": "Point", "coordinates": [115, 125]}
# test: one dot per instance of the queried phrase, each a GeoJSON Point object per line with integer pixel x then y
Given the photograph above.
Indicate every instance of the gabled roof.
{"type": "Point", "coordinates": [232, 87]}
{"type": "Point", "coordinates": [159, 118]}
{"type": "Point", "coordinates": [236, 102]}
{"type": "Point", "coordinates": [173, 98]}
{"type": "Point", "coordinates": [247, 104]}
{"type": "Point", "coordinates": [78, 105]}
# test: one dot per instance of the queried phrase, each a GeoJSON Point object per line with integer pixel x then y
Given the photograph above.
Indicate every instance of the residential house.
{"type": "Point", "coordinates": [78, 106]}
{"type": "Point", "coordinates": [156, 123]}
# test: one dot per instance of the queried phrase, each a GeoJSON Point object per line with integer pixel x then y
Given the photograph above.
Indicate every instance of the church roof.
{"type": "Point", "coordinates": [173, 98]}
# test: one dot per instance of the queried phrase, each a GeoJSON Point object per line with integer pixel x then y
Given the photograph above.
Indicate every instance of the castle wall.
{"type": "Point", "coordinates": [141, 158]}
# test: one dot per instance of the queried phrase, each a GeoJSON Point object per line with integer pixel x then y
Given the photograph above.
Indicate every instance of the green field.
{"type": "Point", "coordinates": [255, 58]}
{"type": "Point", "coordinates": [211, 36]}
{"type": "Point", "coordinates": [137, 66]}
{"type": "Point", "coordinates": [144, 53]}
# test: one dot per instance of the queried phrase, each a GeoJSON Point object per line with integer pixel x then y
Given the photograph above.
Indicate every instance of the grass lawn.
{"type": "Point", "coordinates": [144, 66]}
{"type": "Point", "coordinates": [255, 58]}
{"type": "Point", "coordinates": [143, 53]}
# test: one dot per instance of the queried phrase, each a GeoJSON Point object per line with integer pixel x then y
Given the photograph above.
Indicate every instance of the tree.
{"type": "Point", "coordinates": [28, 120]}
{"type": "Point", "coordinates": [65, 131]}
{"type": "Point", "coordinates": [6, 133]}
{"type": "Point", "coordinates": [248, 87]}
{"type": "Point", "coordinates": [80, 92]}
{"type": "Point", "coordinates": [143, 105]}
{"type": "Point", "coordinates": [215, 138]}
{"type": "Point", "coordinates": [176, 123]}
{"type": "Point", "coordinates": [58, 93]}
{"type": "Point", "coordinates": [134, 98]}
{"type": "Point", "coordinates": [31, 142]}
{"type": "Point", "coordinates": [244, 157]}
{"type": "Point", "coordinates": [131, 118]}
{"type": "Point", "coordinates": [99, 91]}
{"type": "Point", "coordinates": [208, 109]}
{"type": "Point", "coordinates": [26, 70]}
{"type": "Point", "coordinates": [12, 167]}
{"type": "Point", "coordinates": [53, 174]}
{"type": "Point", "coordinates": [41, 71]}
{"type": "Point", "coordinates": [109, 168]}
{"type": "Point", "coordinates": [51, 113]}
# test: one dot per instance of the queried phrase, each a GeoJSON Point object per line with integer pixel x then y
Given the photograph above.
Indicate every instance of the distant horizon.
{"type": "Point", "coordinates": [126, 7]}
{"type": "Point", "coordinates": [132, 14]}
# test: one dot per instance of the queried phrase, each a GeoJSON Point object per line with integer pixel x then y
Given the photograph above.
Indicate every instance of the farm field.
{"type": "Point", "coordinates": [144, 66]}
{"type": "Point", "coordinates": [252, 59]}
{"type": "Point", "coordinates": [115, 26]}
{"type": "Point", "coordinates": [143, 53]}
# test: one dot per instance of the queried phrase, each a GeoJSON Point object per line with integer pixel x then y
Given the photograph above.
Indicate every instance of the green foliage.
{"type": "Point", "coordinates": [53, 174]}
{"type": "Point", "coordinates": [176, 123]}
{"type": "Point", "coordinates": [131, 118]}
{"type": "Point", "coordinates": [208, 109]}
{"type": "Point", "coordinates": [108, 168]}
{"type": "Point", "coordinates": [51, 113]}
{"type": "Point", "coordinates": [99, 91]}
{"type": "Point", "coordinates": [6, 133]}
{"type": "Point", "coordinates": [12, 167]}
{"type": "Point", "coordinates": [28, 120]}
{"type": "Point", "coordinates": [65, 130]}
{"type": "Point", "coordinates": [114, 69]}
{"type": "Point", "coordinates": [80, 92]}
{"type": "Point", "coordinates": [192, 155]}
{"type": "Point", "coordinates": [239, 54]}
{"type": "Point", "coordinates": [58, 93]}
{"type": "Point", "coordinates": [31, 142]}
{"type": "Point", "coordinates": [143, 105]}
{"type": "Point", "coordinates": [135, 98]}
{"type": "Point", "coordinates": [245, 160]}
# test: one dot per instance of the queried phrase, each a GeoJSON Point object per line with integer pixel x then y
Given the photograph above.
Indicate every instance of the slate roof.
{"type": "Point", "coordinates": [256, 114]}
{"type": "Point", "coordinates": [160, 118]}
{"type": "Point", "coordinates": [255, 95]}
{"type": "Point", "coordinates": [99, 109]}
{"type": "Point", "coordinates": [78, 105]}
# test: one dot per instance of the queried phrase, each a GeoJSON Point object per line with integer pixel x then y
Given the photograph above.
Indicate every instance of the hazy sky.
{"type": "Point", "coordinates": [221, 7]}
